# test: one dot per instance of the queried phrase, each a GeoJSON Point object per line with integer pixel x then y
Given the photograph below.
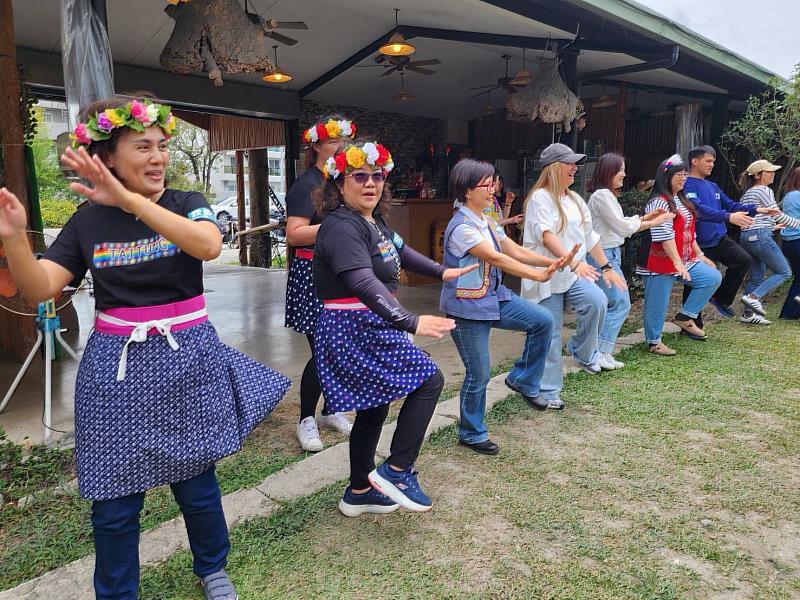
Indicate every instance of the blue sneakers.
{"type": "Point", "coordinates": [372, 501]}
{"type": "Point", "coordinates": [723, 309]}
{"type": "Point", "coordinates": [402, 487]}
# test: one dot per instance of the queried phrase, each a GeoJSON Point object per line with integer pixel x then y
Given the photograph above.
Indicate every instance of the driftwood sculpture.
{"type": "Point", "coordinates": [547, 98]}
{"type": "Point", "coordinates": [215, 36]}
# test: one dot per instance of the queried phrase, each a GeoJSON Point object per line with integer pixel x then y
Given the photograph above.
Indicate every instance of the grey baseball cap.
{"type": "Point", "coordinates": [560, 153]}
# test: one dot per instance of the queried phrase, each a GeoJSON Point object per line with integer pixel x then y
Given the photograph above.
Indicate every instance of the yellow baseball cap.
{"type": "Point", "coordinates": [760, 166]}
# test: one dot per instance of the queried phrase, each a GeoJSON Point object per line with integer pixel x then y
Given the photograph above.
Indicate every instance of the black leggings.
{"type": "Point", "coordinates": [310, 388]}
{"type": "Point", "coordinates": [412, 423]}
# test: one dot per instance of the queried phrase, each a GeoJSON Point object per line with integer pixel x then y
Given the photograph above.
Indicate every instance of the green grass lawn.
{"type": "Point", "coordinates": [673, 478]}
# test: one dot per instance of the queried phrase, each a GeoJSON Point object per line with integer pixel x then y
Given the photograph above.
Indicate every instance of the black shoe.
{"type": "Point", "coordinates": [486, 447]}
{"type": "Point", "coordinates": [536, 402]}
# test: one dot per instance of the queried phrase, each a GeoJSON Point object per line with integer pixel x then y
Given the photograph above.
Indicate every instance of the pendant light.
{"type": "Point", "coordinates": [404, 95]}
{"type": "Point", "coordinates": [397, 44]}
{"type": "Point", "coordinates": [277, 75]}
{"type": "Point", "coordinates": [489, 109]}
{"type": "Point", "coordinates": [604, 101]}
{"type": "Point", "coordinates": [523, 77]}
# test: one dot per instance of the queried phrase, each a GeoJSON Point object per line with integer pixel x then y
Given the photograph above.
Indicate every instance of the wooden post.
{"type": "Point", "coordinates": [258, 173]}
{"type": "Point", "coordinates": [241, 214]}
{"type": "Point", "coordinates": [293, 148]}
{"type": "Point", "coordinates": [719, 119]}
{"type": "Point", "coordinates": [11, 133]}
{"type": "Point", "coordinates": [619, 133]}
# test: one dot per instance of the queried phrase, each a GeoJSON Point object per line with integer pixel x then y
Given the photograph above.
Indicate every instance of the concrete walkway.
{"type": "Point", "coordinates": [74, 581]}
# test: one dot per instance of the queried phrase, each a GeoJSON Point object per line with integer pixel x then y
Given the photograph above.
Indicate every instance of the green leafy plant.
{"type": "Point", "coordinates": [56, 212]}
{"type": "Point", "coordinates": [769, 128]}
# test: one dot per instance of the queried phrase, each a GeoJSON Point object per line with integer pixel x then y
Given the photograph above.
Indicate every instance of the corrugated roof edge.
{"type": "Point", "coordinates": [636, 16]}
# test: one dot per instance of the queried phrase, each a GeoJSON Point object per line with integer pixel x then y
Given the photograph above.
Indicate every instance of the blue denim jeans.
{"type": "Point", "coordinates": [791, 309]}
{"type": "Point", "coordinates": [472, 340]}
{"type": "Point", "coordinates": [589, 302]}
{"type": "Point", "coordinates": [619, 302]}
{"type": "Point", "coordinates": [658, 288]}
{"type": "Point", "coordinates": [116, 535]}
{"type": "Point", "coordinates": [761, 245]}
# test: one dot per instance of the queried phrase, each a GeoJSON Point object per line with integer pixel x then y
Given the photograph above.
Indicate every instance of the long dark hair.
{"type": "Point", "coordinates": [311, 154]}
{"type": "Point", "coordinates": [328, 197]}
{"type": "Point", "coordinates": [606, 169]}
{"type": "Point", "coordinates": [663, 184]}
{"type": "Point", "coordinates": [793, 182]}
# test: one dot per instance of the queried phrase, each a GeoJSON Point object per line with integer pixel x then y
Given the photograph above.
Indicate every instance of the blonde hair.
{"type": "Point", "coordinates": [549, 182]}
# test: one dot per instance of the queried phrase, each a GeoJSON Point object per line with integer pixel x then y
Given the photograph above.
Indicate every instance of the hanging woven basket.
{"type": "Point", "coordinates": [547, 98]}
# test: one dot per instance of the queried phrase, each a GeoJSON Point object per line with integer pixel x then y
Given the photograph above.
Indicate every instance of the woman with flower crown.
{"type": "Point", "coordinates": [158, 398]}
{"type": "Point", "coordinates": [364, 356]}
{"type": "Point", "coordinates": [670, 253]}
{"type": "Point", "coordinates": [323, 140]}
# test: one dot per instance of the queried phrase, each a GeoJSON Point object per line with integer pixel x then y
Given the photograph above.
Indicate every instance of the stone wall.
{"type": "Point", "coordinates": [406, 137]}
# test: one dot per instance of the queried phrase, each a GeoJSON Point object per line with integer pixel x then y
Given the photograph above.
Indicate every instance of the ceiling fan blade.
{"type": "Point", "coordinates": [420, 70]}
{"type": "Point", "coordinates": [390, 71]}
{"type": "Point", "coordinates": [483, 87]}
{"type": "Point", "coordinates": [484, 92]}
{"type": "Point", "coordinates": [424, 63]}
{"type": "Point", "coordinates": [281, 38]}
{"type": "Point", "coordinates": [290, 25]}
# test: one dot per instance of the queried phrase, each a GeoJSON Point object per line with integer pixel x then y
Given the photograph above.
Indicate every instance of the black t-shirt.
{"type": "Point", "coordinates": [131, 264]}
{"type": "Point", "coordinates": [298, 200]}
{"type": "Point", "coordinates": [347, 241]}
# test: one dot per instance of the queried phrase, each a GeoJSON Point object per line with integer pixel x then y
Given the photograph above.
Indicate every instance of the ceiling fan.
{"type": "Point", "coordinates": [269, 25]}
{"type": "Point", "coordinates": [502, 83]}
{"type": "Point", "coordinates": [401, 64]}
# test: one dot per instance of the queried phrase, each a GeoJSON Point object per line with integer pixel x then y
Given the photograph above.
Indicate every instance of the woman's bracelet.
{"type": "Point", "coordinates": [144, 210]}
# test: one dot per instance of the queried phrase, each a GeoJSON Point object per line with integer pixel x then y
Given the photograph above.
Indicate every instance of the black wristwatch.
{"type": "Point", "coordinates": [607, 267]}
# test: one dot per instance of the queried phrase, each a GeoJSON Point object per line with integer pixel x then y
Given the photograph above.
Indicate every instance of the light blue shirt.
{"type": "Point", "coordinates": [791, 207]}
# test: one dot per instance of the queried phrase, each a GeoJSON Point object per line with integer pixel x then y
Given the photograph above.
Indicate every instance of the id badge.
{"type": "Point", "coordinates": [386, 251]}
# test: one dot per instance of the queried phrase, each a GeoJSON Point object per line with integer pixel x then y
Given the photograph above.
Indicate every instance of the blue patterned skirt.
{"type": "Point", "coordinates": [174, 415]}
{"type": "Point", "coordinates": [363, 361]}
{"type": "Point", "coordinates": [302, 305]}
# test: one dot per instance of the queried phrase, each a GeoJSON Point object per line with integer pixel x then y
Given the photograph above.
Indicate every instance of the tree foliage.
{"type": "Point", "coordinates": [51, 181]}
{"type": "Point", "coordinates": [191, 160]}
{"type": "Point", "coordinates": [769, 128]}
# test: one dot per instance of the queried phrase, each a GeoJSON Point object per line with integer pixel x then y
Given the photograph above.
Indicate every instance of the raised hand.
{"type": "Point", "coordinates": [741, 219]}
{"type": "Point", "coordinates": [547, 274]}
{"type": "Point", "coordinates": [107, 189]}
{"type": "Point", "coordinates": [587, 271]}
{"type": "Point", "coordinates": [773, 211]}
{"type": "Point", "coordinates": [12, 215]}
{"type": "Point", "coordinates": [571, 256]}
{"type": "Point", "coordinates": [611, 277]}
{"type": "Point", "coordinates": [435, 327]}
{"type": "Point", "coordinates": [450, 274]}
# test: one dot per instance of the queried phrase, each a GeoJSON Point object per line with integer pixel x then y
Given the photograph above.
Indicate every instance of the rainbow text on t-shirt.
{"type": "Point", "coordinates": [118, 254]}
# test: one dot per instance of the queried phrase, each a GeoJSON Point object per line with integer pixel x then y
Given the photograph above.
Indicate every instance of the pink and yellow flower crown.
{"type": "Point", "coordinates": [136, 114]}
{"type": "Point", "coordinates": [354, 157]}
{"type": "Point", "coordinates": [332, 129]}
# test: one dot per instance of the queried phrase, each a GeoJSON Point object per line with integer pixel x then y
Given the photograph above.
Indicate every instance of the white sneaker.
{"type": "Point", "coordinates": [755, 319]}
{"type": "Point", "coordinates": [606, 361]}
{"type": "Point", "coordinates": [754, 304]}
{"type": "Point", "coordinates": [308, 435]}
{"type": "Point", "coordinates": [337, 422]}
{"type": "Point", "coordinates": [609, 358]}
{"type": "Point", "coordinates": [797, 299]}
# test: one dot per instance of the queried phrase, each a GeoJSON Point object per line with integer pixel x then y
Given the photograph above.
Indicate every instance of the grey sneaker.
{"type": "Point", "coordinates": [555, 403]}
{"type": "Point", "coordinates": [218, 586]}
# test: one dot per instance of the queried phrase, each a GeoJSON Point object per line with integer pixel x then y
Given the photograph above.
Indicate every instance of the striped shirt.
{"type": "Point", "coordinates": [762, 196]}
{"type": "Point", "coordinates": [665, 231]}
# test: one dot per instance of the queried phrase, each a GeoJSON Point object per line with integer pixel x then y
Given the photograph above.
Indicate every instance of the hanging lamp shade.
{"type": "Point", "coordinates": [403, 95]}
{"type": "Point", "coordinates": [604, 102]}
{"type": "Point", "coordinates": [523, 76]}
{"type": "Point", "coordinates": [397, 46]}
{"type": "Point", "coordinates": [277, 75]}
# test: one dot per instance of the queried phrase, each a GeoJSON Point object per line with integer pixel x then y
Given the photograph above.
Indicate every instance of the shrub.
{"type": "Point", "coordinates": [55, 213]}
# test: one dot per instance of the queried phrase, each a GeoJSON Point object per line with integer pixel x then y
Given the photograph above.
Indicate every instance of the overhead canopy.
{"type": "Point", "coordinates": [334, 59]}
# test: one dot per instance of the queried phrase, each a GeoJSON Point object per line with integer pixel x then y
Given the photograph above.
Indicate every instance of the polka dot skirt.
{"type": "Point", "coordinates": [302, 305]}
{"type": "Point", "coordinates": [174, 414]}
{"type": "Point", "coordinates": [363, 361]}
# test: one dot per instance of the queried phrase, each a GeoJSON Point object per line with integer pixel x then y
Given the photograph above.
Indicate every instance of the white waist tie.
{"type": "Point", "coordinates": [139, 333]}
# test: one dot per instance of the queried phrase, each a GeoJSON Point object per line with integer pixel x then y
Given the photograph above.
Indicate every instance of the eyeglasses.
{"type": "Point", "coordinates": [361, 178]}
{"type": "Point", "coordinates": [489, 186]}
{"type": "Point", "coordinates": [681, 174]}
